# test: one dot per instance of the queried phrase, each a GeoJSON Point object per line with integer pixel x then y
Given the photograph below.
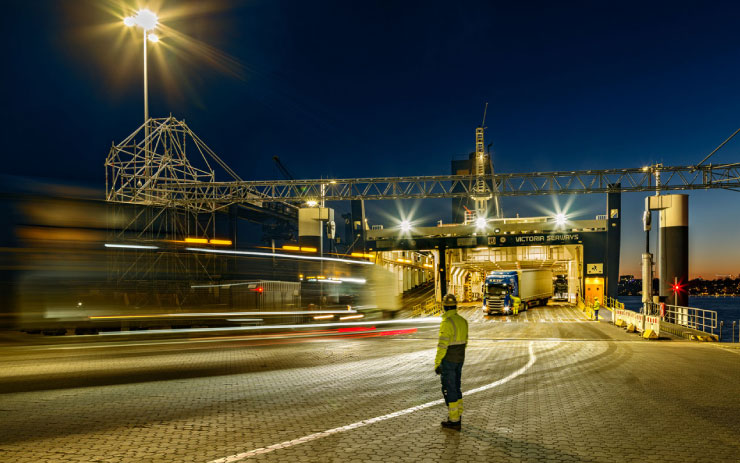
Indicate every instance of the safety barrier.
{"type": "Point", "coordinates": [652, 326]}
{"type": "Point", "coordinates": [609, 304]}
{"type": "Point", "coordinates": [587, 311]}
{"type": "Point", "coordinates": [428, 308]}
{"type": "Point", "coordinates": [687, 322]}
{"type": "Point", "coordinates": [633, 320]}
{"type": "Point", "coordinates": [690, 317]}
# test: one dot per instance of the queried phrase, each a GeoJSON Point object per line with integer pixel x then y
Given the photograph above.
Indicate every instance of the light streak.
{"type": "Point", "coordinates": [323, 317]}
{"type": "Point", "coordinates": [361, 281]}
{"type": "Point", "coordinates": [196, 240]}
{"type": "Point", "coordinates": [420, 321]}
{"type": "Point", "coordinates": [130, 246]}
{"type": "Point", "coordinates": [216, 314]}
{"type": "Point", "coordinates": [225, 285]}
{"type": "Point", "coordinates": [281, 256]}
{"type": "Point", "coordinates": [352, 317]}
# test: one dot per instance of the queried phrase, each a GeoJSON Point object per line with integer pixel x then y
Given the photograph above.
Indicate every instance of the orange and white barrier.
{"type": "Point", "coordinates": [648, 325]}
{"type": "Point", "coordinates": [652, 325]}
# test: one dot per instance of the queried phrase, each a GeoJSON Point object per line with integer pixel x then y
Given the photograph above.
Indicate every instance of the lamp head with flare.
{"type": "Point", "coordinates": [144, 19]}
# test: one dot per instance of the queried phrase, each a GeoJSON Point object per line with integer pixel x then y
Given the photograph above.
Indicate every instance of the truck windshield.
{"type": "Point", "coordinates": [496, 289]}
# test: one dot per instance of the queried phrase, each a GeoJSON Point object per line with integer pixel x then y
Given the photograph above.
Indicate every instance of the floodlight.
{"type": "Point", "coordinates": [405, 226]}
{"type": "Point", "coordinates": [480, 222]}
{"type": "Point", "coordinates": [560, 219]}
{"type": "Point", "coordinates": [146, 19]}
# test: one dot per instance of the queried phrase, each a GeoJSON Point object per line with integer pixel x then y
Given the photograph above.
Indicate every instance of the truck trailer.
{"type": "Point", "coordinates": [533, 287]}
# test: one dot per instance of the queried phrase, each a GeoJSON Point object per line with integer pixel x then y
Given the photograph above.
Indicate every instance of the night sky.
{"type": "Point", "coordinates": [384, 88]}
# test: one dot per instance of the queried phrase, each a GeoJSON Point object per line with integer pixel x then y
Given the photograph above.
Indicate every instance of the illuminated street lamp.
{"type": "Point", "coordinates": [147, 21]}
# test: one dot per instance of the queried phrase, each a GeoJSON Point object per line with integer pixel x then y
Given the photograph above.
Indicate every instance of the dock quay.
{"type": "Point", "coordinates": [547, 385]}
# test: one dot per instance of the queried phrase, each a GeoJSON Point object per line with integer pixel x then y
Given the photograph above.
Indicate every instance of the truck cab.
{"type": "Point", "coordinates": [497, 291]}
{"type": "Point", "coordinates": [532, 286]}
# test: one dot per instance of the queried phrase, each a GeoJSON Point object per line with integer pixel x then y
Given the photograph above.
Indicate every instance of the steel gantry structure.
{"type": "Point", "coordinates": [725, 176]}
{"type": "Point", "coordinates": [175, 183]}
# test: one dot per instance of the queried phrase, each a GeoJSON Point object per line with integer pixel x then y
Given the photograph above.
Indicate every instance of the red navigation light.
{"type": "Point", "coordinates": [676, 287]}
{"type": "Point", "coordinates": [259, 289]}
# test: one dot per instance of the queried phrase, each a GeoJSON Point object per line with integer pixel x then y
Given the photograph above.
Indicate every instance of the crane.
{"type": "Point", "coordinates": [283, 170]}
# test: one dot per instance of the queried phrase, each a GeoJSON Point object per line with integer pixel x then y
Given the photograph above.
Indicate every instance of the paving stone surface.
{"type": "Point", "coordinates": [546, 386]}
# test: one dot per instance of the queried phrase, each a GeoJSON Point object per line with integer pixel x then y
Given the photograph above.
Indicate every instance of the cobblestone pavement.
{"type": "Point", "coordinates": [545, 387]}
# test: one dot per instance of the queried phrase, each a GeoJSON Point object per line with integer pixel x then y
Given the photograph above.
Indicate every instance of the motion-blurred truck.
{"type": "Point", "coordinates": [534, 287]}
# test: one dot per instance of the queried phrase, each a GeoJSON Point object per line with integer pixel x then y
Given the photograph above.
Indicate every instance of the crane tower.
{"type": "Point", "coordinates": [481, 192]}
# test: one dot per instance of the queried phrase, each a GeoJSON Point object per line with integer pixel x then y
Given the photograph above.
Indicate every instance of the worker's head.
{"type": "Point", "coordinates": [449, 302]}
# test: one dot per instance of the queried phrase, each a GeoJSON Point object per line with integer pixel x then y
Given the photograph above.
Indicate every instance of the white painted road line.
{"type": "Point", "coordinates": [360, 424]}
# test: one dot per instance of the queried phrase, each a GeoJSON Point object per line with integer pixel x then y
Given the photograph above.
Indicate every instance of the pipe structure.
{"type": "Point", "coordinates": [674, 244]}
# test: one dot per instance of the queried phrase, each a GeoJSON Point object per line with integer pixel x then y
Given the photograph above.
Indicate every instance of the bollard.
{"type": "Point", "coordinates": [721, 323]}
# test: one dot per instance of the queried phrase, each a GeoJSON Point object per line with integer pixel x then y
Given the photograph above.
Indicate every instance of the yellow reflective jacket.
{"type": "Point", "coordinates": [516, 302]}
{"type": "Point", "coordinates": [453, 336]}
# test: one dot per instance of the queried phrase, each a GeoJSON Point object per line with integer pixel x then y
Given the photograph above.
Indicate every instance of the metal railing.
{"type": "Point", "coordinates": [689, 317]}
{"type": "Point", "coordinates": [612, 304]}
{"type": "Point", "coordinates": [427, 308]}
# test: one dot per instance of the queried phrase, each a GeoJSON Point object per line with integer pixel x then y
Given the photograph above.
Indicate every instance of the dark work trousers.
{"type": "Point", "coordinates": [451, 373]}
{"type": "Point", "coordinates": [596, 314]}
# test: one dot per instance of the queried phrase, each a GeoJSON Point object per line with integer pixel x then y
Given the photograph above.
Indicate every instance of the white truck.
{"type": "Point", "coordinates": [533, 286]}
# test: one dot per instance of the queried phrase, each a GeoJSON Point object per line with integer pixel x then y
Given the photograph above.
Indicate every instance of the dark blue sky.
{"type": "Point", "coordinates": [348, 89]}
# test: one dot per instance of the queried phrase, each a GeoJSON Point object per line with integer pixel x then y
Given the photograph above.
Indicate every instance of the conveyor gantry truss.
{"type": "Point", "coordinates": [166, 178]}
{"type": "Point", "coordinates": [726, 176]}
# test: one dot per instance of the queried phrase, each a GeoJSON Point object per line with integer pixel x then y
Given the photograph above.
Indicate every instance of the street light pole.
{"type": "Point", "coordinates": [147, 160]}
{"type": "Point", "coordinates": [147, 21]}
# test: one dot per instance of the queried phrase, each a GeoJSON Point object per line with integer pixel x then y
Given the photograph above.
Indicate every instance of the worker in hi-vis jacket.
{"type": "Point", "coordinates": [453, 337]}
{"type": "Point", "coordinates": [516, 304]}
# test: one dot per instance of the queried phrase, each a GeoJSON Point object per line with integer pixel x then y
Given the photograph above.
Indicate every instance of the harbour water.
{"type": "Point", "coordinates": [728, 310]}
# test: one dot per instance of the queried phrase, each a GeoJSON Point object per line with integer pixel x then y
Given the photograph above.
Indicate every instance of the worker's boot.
{"type": "Point", "coordinates": [456, 425]}
{"type": "Point", "coordinates": [453, 422]}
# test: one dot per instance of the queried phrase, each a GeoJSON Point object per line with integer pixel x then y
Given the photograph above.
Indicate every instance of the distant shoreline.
{"type": "Point", "coordinates": [690, 295]}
